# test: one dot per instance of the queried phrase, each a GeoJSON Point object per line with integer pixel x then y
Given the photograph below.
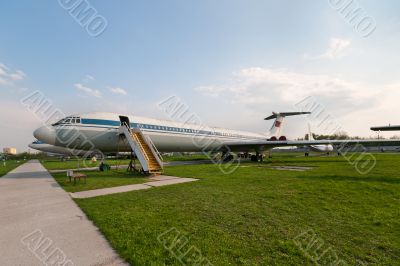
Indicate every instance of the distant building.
{"type": "Point", "coordinates": [10, 151]}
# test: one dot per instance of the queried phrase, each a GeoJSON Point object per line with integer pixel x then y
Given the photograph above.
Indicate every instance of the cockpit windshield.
{"type": "Point", "coordinates": [68, 120]}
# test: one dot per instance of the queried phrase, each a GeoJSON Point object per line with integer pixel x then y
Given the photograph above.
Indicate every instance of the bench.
{"type": "Point", "coordinates": [76, 176]}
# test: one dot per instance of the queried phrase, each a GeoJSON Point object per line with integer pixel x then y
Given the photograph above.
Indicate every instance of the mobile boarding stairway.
{"type": "Point", "coordinates": [144, 149]}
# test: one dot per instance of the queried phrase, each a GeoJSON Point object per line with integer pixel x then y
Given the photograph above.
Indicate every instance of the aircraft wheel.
{"type": "Point", "coordinates": [228, 158]}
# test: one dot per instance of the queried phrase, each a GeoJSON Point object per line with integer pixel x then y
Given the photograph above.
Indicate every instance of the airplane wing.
{"type": "Point", "coordinates": [386, 128]}
{"type": "Point", "coordinates": [266, 144]}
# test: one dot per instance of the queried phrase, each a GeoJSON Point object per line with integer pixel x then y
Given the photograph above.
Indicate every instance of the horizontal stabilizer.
{"type": "Point", "coordinates": [284, 114]}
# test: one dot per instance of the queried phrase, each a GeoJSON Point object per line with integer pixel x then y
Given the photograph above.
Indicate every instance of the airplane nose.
{"type": "Point", "coordinates": [45, 134]}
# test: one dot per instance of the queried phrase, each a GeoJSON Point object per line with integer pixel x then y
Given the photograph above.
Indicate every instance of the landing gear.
{"type": "Point", "coordinates": [229, 158]}
{"type": "Point", "coordinates": [258, 157]}
{"type": "Point", "coordinates": [226, 157]}
{"type": "Point", "coordinates": [307, 152]}
{"type": "Point", "coordinates": [131, 167]}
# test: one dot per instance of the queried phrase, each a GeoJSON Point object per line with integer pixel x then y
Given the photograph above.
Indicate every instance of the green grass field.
{"type": "Point", "coordinates": [97, 180]}
{"type": "Point", "coordinates": [53, 164]}
{"type": "Point", "coordinates": [73, 163]}
{"type": "Point", "coordinates": [10, 165]}
{"type": "Point", "coordinates": [255, 215]}
{"type": "Point", "coordinates": [194, 157]}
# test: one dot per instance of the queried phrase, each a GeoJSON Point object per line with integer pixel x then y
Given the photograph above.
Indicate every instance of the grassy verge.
{"type": "Point", "coordinates": [97, 180]}
{"type": "Point", "coordinates": [253, 216]}
{"type": "Point", "coordinates": [10, 165]}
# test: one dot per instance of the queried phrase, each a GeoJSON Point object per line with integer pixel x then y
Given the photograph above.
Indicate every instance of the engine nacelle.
{"type": "Point", "coordinates": [273, 139]}
{"type": "Point", "coordinates": [282, 138]}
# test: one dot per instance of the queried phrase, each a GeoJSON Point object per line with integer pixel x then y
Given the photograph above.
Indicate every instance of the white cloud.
{"type": "Point", "coordinates": [7, 76]}
{"type": "Point", "coordinates": [18, 75]}
{"type": "Point", "coordinates": [262, 85]}
{"type": "Point", "coordinates": [3, 70]}
{"type": "Point", "coordinates": [3, 81]}
{"type": "Point", "coordinates": [87, 90]}
{"type": "Point", "coordinates": [263, 90]}
{"type": "Point", "coordinates": [88, 78]}
{"type": "Point", "coordinates": [337, 49]}
{"type": "Point", "coordinates": [118, 91]}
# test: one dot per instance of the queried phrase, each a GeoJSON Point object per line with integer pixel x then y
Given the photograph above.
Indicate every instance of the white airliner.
{"type": "Point", "coordinates": [326, 148]}
{"type": "Point", "coordinates": [101, 131]}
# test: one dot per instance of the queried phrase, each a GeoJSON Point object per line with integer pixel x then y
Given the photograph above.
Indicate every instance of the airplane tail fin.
{"type": "Point", "coordinates": [310, 135]}
{"type": "Point", "coordinates": [276, 128]}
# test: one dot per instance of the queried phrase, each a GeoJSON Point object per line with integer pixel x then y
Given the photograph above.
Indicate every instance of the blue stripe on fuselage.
{"type": "Point", "coordinates": [101, 122]}
{"type": "Point", "coordinates": [156, 128]}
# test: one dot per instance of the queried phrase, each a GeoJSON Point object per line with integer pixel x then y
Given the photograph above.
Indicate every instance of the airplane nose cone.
{"type": "Point", "coordinates": [45, 134]}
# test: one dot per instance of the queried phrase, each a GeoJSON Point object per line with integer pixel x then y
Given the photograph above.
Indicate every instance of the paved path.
{"type": "Point", "coordinates": [157, 181]}
{"type": "Point", "coordinates": [40, 223]}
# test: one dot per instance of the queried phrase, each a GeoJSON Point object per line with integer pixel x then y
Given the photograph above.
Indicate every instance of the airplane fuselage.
{"type": "Point", "coordinates": [100, 131]}
{"type": "Point", "coordinates": [322, 148]}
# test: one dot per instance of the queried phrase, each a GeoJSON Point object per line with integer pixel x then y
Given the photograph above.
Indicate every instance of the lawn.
{"type": "Point", "coordinates": [10, 165]}
{"type": "Point", "coordinates": [192, 157]}
{"type": "Point", "coordinates": [260, 216]}
{"type": "Point", "coordinates": [73, 163]}
{"type": "Point", "coordinates": [97, 180]}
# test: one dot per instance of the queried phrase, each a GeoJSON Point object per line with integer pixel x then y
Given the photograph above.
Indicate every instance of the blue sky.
{"type": "Point", "coordinates": [231, 62]}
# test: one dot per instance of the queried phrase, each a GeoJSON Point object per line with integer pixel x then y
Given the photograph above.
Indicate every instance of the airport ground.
{"type": "Point", "coordinates": [253, 216]}
{"type": "Point", "coordinates": [55, 164]}
{"type": "Point", "coordinates": [261, 214]}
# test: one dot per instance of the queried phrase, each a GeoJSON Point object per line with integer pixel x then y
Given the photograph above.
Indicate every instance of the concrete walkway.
{"type": "Point", "coordinates": [40, 224]}
{"type": "Point", "coordinates": [157, 181]}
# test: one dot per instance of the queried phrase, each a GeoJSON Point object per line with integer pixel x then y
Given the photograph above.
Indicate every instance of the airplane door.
{"type": "Point", "coordinates": [124, 121]}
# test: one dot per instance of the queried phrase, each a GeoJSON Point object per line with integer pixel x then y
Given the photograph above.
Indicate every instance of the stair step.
{"type": "Point", "coordinates": [148, 153]}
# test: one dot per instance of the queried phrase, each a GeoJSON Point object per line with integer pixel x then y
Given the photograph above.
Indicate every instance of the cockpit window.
{"type": "Point", "coordinates": [68, 120]}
